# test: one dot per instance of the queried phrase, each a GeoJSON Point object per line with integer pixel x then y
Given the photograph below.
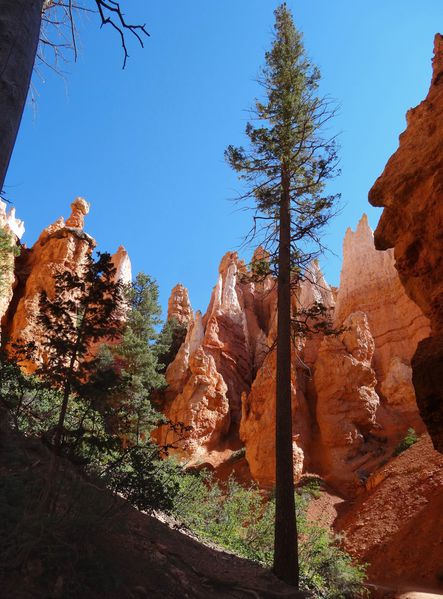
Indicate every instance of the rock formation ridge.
{"type": "Point", "coordinates": [352, 394]}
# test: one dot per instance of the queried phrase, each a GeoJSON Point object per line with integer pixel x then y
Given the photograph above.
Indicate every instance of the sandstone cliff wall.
{"type": "Point", "coordinates": [410, 190]}
{"type": "Point", "coordinates": [370, 283]}
{"type": "Point", "coordinates": [352, 394]}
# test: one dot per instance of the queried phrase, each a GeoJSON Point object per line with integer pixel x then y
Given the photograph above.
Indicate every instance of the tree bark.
{"type": "Point", "coordinates": [20, 22]}
{"type": "Point", "coordinates": [286, 546]}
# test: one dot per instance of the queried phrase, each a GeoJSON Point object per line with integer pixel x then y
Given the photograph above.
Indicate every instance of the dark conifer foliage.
{"type": "Point", "coordinates": [86, 308]}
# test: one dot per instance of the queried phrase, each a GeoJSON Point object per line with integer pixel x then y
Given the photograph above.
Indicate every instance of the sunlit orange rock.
{"type": "Point", "coordinates": [370, 283]}
{"type": "Point", "coordinates": [233, 335]}
{"type": "Point", "coordinates": [257, 428]}
{"type": "Point", "coordinates": [79, 209]}
{"type": "Point", "coordinates": [179, 306]}
{"type": "Point", "coordinates": [220, 341]}
{"type": "Point", "coordinates": [238, 331]}
{"type": "Point", "coordinates": [122, 265]}
{"type": "Point", "coordinates": [410, 190]}
{"type": "Point", "coordinates": [347, 402]}
{"type": "Point", "coordinates": [202, 405]}
{"type": "Point", "coordinates": [395, 526]}
{"type": "Point", "coordinates": [57, 249]}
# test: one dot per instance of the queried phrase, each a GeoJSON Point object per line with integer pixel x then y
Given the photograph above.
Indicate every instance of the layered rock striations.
{"type": "Point", "coordinates": [410, 190]}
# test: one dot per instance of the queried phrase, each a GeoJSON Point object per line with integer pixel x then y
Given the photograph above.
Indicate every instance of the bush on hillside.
{"type": "Point", "coordinates": [409, 439]}
{"type": "Point", "coordinates": [241, 519]}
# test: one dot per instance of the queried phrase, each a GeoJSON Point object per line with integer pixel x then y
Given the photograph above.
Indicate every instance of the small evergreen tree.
{"type": "Point", "coordinates": [169, 341]}
{"type": "Point", "coordinates": [136, 362]}
{"type": "Point", "coordinates": [86, 308]}
{"type": "Point", "coordinates": [8, 250]}
{"type": "Point", "coordinates": [285, 169]}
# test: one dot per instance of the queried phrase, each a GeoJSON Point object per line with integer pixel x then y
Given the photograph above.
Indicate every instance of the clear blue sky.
{"type": "Point", "coordinates": [145, 146]}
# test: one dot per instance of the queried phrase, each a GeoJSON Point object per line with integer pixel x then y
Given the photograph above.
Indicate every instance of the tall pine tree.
{"type": "Point", "coordinates": [285, 168]}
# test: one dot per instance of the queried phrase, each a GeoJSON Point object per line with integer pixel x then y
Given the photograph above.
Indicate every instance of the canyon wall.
{"type": "Point", "coordinates": [410, 190]}
{"type": "Point", "coordinates": [369, 283]}
{"type": "Point", "coordinates": [352, 393]}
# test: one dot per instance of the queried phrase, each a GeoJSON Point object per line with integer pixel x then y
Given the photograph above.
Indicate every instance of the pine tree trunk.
{"type": "Point", "coordinates": [61, 419]}
{"type": "Point", "coordinates": [20, 22]}
{"type": "Point", "coordinates": [285, 548]}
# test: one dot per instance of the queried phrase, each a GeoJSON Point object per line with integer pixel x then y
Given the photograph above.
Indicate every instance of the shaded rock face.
{"type": "Point", "coordinates": [410, 190]}
{"type": "Point", "coordinates": [14, 229]}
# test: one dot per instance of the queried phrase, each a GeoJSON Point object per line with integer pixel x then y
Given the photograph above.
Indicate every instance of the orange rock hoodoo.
{"type": "Point", "coordinates": [61, 246]}
{"type": "Point", "coordinates": [179, 306]}
{"type": "Point", "coordinates": [411, 192]}
{"type": "Point", "coordinates": [352, 394]}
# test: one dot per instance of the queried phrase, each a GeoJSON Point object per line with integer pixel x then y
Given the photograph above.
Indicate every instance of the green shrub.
{"type": "Point", "coordinates": [241, 519]}
{"type": "Point", "coordinates": [407, 442]}
{"type": "Point", "coordinates": [146, 480]}
{"type": "Point", "coordinates": [310, 487]}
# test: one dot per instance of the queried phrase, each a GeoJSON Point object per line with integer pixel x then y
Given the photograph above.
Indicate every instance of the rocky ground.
{"type": "Point", "coordinates": [395, 525]}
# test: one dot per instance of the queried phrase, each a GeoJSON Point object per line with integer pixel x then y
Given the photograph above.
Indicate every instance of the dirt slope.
{"type": "Point", "coordinates": [96, 546]}
{"type": "Point", "coordinates": [397, 527]}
